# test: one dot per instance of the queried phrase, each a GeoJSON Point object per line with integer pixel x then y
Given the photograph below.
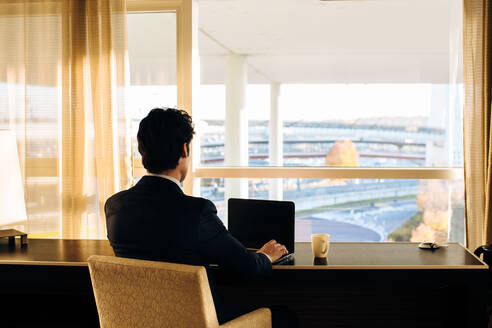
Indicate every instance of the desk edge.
{"type": "Point", "coordinates": [479, 259]}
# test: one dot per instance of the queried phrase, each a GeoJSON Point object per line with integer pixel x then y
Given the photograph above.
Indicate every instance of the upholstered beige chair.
{"type": "Point", "coordinates": [136, 293]}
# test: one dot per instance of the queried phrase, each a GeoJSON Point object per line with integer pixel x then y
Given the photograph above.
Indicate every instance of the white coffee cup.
{"type": "Point", "coordinates": [320, 243]}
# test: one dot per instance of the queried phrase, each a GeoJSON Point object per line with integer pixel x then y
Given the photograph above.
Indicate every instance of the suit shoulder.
{"type": "Point", "coordinates": [117, 196]}
{"type": "Point", "coordinates": [116, 200]}
{"type": "Point", "coordinates": [199, 202]}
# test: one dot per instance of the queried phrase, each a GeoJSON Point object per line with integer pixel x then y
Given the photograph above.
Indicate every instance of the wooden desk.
{"type": "Point", "coordinates": [362, 285]}
{"type": "Point", "coordinates": [374, 285]}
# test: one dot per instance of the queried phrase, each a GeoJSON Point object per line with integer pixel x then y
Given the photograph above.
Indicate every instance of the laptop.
{"type": "Point", "coordinates": [254, 222]}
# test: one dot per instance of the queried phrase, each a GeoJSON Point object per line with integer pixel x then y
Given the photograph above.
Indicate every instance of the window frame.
{"type": "Point", "coordinates": [269, 172]}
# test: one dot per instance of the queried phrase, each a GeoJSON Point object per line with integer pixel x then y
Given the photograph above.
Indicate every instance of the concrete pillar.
{"type": "Point", "coordinates": [276, 153]}
{"type": "Point", "coordinates": [236, 124]}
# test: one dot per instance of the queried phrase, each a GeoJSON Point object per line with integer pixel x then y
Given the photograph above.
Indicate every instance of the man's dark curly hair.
{"type": "Point", "coordinates": [161, 135]}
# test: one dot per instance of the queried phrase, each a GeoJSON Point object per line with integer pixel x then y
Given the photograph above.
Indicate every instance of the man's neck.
{"type": "Point", "coordinates": [168, 177]}
{"type": "Point", "coordinates": [172, 173]}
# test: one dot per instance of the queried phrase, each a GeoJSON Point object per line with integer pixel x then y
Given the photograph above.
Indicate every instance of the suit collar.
{"type": "Point", "coordinates": [173, 179]}
{"type": "Point", "coordinates": [159, 182]}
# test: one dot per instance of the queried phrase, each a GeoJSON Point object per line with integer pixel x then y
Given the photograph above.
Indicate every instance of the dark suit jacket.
{"type": "Point", "coordinates": [155, 220]}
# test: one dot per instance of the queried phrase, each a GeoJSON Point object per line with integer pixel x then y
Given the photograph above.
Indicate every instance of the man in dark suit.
{"type": "Point", "coordinates": [155, 220]}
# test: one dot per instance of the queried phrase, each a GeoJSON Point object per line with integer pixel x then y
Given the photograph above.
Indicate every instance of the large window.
{"type": "Point", "coordinates": [351, 109]}
{"type": "Point", "coordinates": [355, 107]}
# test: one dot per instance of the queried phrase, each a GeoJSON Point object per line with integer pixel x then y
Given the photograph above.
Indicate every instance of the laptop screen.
{"type": "Point", "coordinates": [255, 222]}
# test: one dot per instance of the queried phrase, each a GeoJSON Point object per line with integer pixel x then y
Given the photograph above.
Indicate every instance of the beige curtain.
{"type": "Point", "coordinates": [63, 72]}
{"type": "Point", "coordinates": [476, 125]}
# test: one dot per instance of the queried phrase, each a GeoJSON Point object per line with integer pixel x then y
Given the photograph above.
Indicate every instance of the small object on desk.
{"type": "Point", "coordinates": [320, 244]}
{"type": "Point", "coordinates": [428, 245]}
{"type": "Point", "coordinates": [11, 233]}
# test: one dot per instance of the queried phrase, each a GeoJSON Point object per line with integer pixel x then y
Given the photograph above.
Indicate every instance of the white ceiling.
{"type": "Point", "coordinates": [306, 41]}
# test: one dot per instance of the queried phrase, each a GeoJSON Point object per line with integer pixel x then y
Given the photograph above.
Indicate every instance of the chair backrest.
{"type": "Point", "coordinates": [138, 293]}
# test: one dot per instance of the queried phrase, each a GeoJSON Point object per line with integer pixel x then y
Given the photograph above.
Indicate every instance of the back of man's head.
{"type": "Point", "coordinates": [161, 136]}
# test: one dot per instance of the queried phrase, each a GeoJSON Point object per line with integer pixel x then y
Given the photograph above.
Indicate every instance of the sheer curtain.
{"type": "Point", "coordinates": [63, 73]}
{"type": "Point", "coordinates": [477, 120]}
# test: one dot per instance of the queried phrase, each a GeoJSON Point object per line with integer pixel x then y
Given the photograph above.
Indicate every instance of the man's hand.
{"type": "Point", "coordinates": [274, 250]}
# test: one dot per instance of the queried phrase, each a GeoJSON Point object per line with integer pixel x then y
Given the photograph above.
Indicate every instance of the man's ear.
{"type": "Point", "coordinates": [185, 150]}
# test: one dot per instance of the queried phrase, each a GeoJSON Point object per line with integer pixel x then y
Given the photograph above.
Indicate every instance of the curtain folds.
{"type": "Point", "coordinates": [63, 76]}
{"type": "Point", "coordinates": [476, 124]}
